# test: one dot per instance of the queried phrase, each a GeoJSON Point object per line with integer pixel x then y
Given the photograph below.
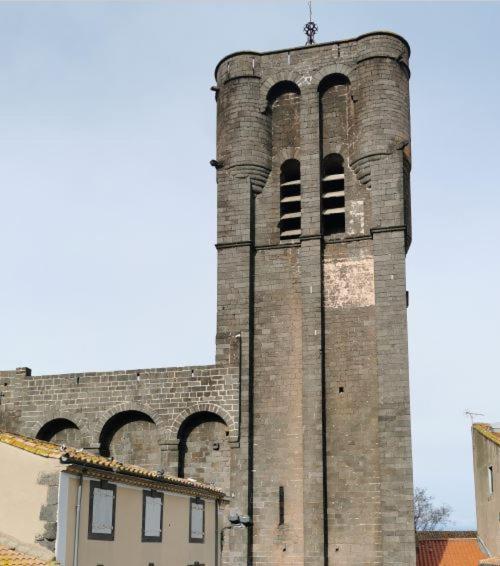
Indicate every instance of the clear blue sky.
{"type": "Point", "coordinates": [108, 202]}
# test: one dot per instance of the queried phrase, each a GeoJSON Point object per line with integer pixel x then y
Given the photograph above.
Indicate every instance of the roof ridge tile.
{"type": "Point", "coordinates": [71, 455]}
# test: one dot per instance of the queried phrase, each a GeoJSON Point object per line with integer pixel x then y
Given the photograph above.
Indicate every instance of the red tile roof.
{"type": "Point", "coordinates": [449, 552]}
{"type": "Point", "coordinates": [437, 535]}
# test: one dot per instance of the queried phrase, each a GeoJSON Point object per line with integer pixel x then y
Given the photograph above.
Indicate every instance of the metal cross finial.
{"type": "Point", "coordinates": [311, 28]}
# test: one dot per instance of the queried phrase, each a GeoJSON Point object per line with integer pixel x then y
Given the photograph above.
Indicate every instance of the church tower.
{"type": "Point", "coordinates": [313, 168]}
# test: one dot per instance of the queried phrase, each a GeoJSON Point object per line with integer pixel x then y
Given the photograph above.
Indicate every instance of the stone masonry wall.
{"type": "Point", "coordinates": [133, 439]}
{"type": "Point", "coordinates": [206, 453]}
{"type": "Point", "coordinates": [310, 387]}
{"type": "Point", "coordinates": [278, 357]}
{"type": "Point", "coordinates": [132, 415]}
{"type": "Point", "coordinates": [323, 320]}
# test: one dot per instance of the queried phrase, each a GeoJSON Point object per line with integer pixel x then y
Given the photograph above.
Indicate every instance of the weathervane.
{"type": "Point", "coordinates": [310, 28]}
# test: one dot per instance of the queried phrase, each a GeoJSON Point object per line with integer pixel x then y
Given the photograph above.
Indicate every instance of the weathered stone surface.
{"type": "Point", "coordinates": [322, 317]}
{"type": "Point", "coordinates": [310, 388]}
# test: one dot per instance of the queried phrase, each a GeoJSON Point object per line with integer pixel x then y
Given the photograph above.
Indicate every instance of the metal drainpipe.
{"type": "Point", "coordinates": [77, 521]}
{"type": "Point", "coordinates": [216, 532]}
{"type": "Point", "coordinates": [240, 366]}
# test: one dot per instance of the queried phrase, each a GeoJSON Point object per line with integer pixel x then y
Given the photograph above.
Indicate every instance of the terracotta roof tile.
{"type": "Point", "coordinates": [434, 535]}
{"type": "Point", "coordinates": [10, 557]}
{"type": "Point", "coordinates": [69, 455]}
{"type": "Point", "coordinates": [449, 552]}
{"type": "Point", "coordinates": [488, 432]}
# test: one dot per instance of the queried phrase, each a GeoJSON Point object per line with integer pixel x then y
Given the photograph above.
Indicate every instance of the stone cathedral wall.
{"type": "Point", "coordinates": [183, 420]}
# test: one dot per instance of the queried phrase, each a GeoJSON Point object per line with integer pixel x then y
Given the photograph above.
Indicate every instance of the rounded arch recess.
{"type": "Point", "coordinates": [60, 414]}
{"type": "Point", "coordinates": [332, 70]}
{"type": "Point", "coordinates": [188, 412]}
{"type": "Point", "coordinates": [331, 80]}
{"type": "Point", "coordinates": [113, 412]}
{"type": "Point", "coordinates": [273, 83]}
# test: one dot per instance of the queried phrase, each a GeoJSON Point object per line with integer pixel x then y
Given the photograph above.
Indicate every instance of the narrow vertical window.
{"type": "Point", "coordinates": [197, 520]}
{"type": "Point", "coordinates": [102, 511]}
{"type": "Point", "coordinates": [333, 194]}
{"type": "Point", "coordinates": [282, 505]}
{"type": "Point", "coordinates": [152, 516]}
{"type": "Point", "coordinates": [490, 480]}
{"type": "Point", "coordinates": [290, 200]}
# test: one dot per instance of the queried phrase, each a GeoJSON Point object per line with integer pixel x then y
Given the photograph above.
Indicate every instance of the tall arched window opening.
{"type": "Point", "coordinates": [290, 200]}
{"type": "Point", "coordinates": [336, 113]}
{"type": "Point", "coordinates": [204, 451]}
{"type": "Point", "coordinates": [284, 106]}
{"type": "Point", "coordinates": [333, 194]}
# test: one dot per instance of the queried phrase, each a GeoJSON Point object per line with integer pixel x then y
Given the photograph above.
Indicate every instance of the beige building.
{"type": "Point", "coordinates": [89, 510]}
{"type": "Point", "coordinates": [486, 448]}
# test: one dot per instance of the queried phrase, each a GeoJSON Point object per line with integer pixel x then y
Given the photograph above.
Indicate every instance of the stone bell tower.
{"type": "Point", "coordinates": [313, 167]}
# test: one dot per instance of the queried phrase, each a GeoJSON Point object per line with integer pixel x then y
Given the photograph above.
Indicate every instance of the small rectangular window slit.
{"type": "Point", "coordinates": [341, 390]}
{"type": "Point", "coordinates": [282, 505]}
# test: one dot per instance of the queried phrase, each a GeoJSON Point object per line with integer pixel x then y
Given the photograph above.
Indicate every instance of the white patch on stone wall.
{"type": "Point", "coordinates": [355, 217]}
{"type": "Point", "coordinates": [349, 283]}
{"type": "Point", "coordinates": [305, 80]}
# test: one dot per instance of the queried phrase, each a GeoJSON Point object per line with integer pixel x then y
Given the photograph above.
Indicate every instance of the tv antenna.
{"type": "Point", "coordinates": [311, 28]}
{"type": "Point", "coordinates": [471, 415]}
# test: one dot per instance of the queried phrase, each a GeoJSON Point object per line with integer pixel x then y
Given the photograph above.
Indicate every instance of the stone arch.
{"type": "Point", "coordinates": [331, 80]}
{"type": "Point", "coordinates": [270, 83]}
{"type": "Point", "coordinates": [286, 153]}
{"type": "Point", "coordinates": [130, 433]}
{"type": "Point", "coordinates": [204, 449]}
{"type": "Point", "coordinates": [333, 69]}
{"type": "Point", "coordinates": [280, 88]}
{"type": "Point", "coordinates": [104, 417]}
{"type": "Point", "coordinates": [60, 416]}
{"type": "Point", "coordinates": [179, 419]}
